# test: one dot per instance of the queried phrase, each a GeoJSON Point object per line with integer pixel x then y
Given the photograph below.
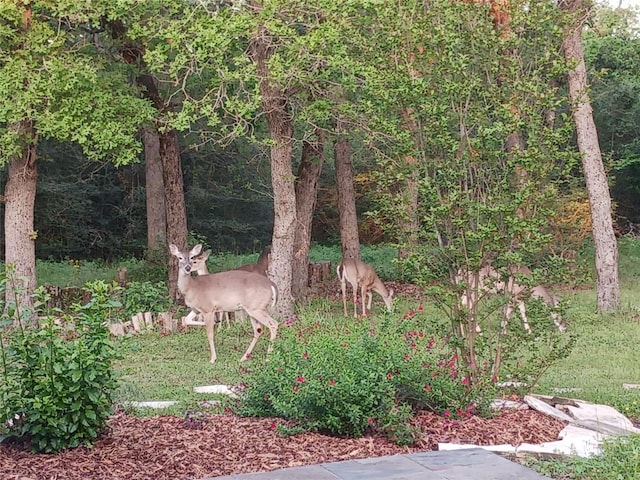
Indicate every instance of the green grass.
{"type": "Point", "coordinates": [156, 367]}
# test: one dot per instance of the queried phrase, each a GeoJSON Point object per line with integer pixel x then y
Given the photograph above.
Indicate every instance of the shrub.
{"type": "Point", "coordinates": [57, 375]}
{"type": "Point", "coordinates": [356, 378]}
{"type": "Point", "coordinates": [145, 297]}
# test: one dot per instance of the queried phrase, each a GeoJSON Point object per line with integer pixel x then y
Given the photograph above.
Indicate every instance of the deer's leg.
{"type": "Point", "coordinates": [226, 316]}
{"type": "Point", "coordinates": [369, 300]}
{"type": "Point", "coordinates": [557, 319]}
{"type": "Point", "coordinates": [523, 315]}
{"type": "Point", "coordinates": [209, 323]}
{"type": "Point", "coordinates": [363, 293]}
{"type": "Point", "coordinates": [506, 315]}
{"type": "Point", "coordinates": [256, 335]}
{"type": "Point", "coordinates": [355, 300]}
{"type": "Point", "coordinates": [266, 320]}
{"type": "Point", "coordinates": [190, 319]}
{"type": "Point", "coordinates": [343, 287]}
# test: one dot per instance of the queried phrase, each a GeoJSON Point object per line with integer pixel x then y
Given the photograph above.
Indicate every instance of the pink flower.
{"type": "Point", "coordinates": [413, 345]}
{"type": "Point", "coordinates": [300, 379]}
{"type": "Point", "coordinates": [274, 425]}
{"type": "Point", "coordinates": [459, 413]}
{"type": "Point", "coordinates": [407, 357]}
{"type": "Point", "coordinates": [305, 355]}
{"type": "Point", "coordinates": [465, 380]}
{"type": "Point", "coordinates": [427, 388]}
{"type": "Point", "coordinates": [431, 343]}
{"type": "Point", "coordinates": [420, 308]}
{"type": "Point", "coordinates": [296, 389]}
{"type": "Point", "coordinates": [446, 413]}
{"type": "Point", "coordinates": [494, 379]}
{"type": "Point", "coordinates": [389, 376]}
{"type": "Point", "coordinates": [454, 373]}
{"type": "Point", "coordinates": [332, 382]}
{"type": "Point", "coordinates": [371, 421]}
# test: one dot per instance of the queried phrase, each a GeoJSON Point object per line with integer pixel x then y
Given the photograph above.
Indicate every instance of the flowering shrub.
{"type": "Point", "coordinates": [354, 378]}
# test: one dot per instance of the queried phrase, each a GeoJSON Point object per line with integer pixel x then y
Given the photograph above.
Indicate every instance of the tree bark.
{"type": "Point", "coordinates": [349, 237]}
{"type": "Point", "coordinates": [154, 190]}
{"type": "Point", "coordinates": [20, 236]}
{"type": "Point", "coordinates": [606, 248]}
{"type": "Point", "coordinates": [275, 104]}
{"type": "Point", "coordinates": [409, 223]}
{"type": "Point", "coordinates": [176, 211]}
{"type": "Point", "coordinates": [306, 187]}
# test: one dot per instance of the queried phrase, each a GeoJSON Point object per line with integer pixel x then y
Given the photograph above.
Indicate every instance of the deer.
{"type": "Point", "coordinates": [227, 292]}
{"type": "Point", "coordinates": [262, 264]}
{"type": "Point", "coordinates": [199, 265]}
{"type": "Point", "coordinates": [358, 273]}
{"type": "Point", "coordinates": [489, 281]}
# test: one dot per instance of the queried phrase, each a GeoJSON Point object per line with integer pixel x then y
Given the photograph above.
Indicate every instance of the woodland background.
{"type": "Point", "coordinates": [91, 209]}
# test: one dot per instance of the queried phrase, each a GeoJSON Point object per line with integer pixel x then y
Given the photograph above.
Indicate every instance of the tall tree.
{"type": "Point", "coordinates": [175, 215]}
{"type": "Point", "coordinates": [53, 88]}
{"type": "Point", "coordinates": [349, 235]}
{"type": "Point", "coordinates": [606, 248]}
{"type": "Point", "coordinates": [276, 107]}
{"type": "Point", "coordinates": [306, 185]}
{"type": "Point", "coordinates": [154, 190]}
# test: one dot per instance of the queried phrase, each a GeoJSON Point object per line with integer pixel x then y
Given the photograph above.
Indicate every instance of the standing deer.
{"type": "Point", "coordinates": [199, 265]}
{"type": "Point", "coordinates": [488, 281]}
{"type": "Point", "coordinates": [227, 292]}
{"type": "Point", "coordinates": [357, 273]}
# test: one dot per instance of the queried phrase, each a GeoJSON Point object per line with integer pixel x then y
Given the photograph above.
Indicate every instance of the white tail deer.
{"type": "Point", "coordinates": [227, 292]}
{"type": "Point", "coordinates": [261, 266]}
{"type": "Point", "coordinates": [359, 273]}
{"type": "Point", "coordinates": [488, 280]}
{"type": "Point", "coordinates": [199, 265]}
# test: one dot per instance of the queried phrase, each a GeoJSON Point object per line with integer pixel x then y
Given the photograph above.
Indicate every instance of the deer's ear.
{"type": "Point", "coordinates": [195, 250]}
{"type": "Point", "coordinates": [205, 255]}
{"type": "Point", "coordinates": [174, 250]}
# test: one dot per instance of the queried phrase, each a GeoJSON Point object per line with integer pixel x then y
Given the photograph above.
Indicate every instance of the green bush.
{"type": "Point", "coordinates": [353, 379]}
{"type": "Point", "coordinates": [145, 297]}
{"type": "Point", "coordinates": [57, 374]}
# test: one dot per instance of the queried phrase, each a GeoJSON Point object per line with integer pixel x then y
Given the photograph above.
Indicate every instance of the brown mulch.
{"type": "Point", "coordinates": [173, 448]}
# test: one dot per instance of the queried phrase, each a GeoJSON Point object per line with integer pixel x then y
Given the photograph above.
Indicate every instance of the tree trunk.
{"type": "Point", "coordinates": [409, 224]}
{"type": "Point", "coordinates": [275, 105]}
{"type": "Point", "coordinates": [20, 248]}
{"type": "Point", "coordinates": [306, 196]}
{"type": "Point", "coordinates": [349, 238]}
{"type": "Point", "coordinates": [608, 287]}
{"type": "Point", "coordinates": [174, 202]}
{"type": "Point", "coordinates": [154, 189]}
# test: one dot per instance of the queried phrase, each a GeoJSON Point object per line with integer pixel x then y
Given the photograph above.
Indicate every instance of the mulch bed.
{"type": "Point", "coordinates": [173, 448]}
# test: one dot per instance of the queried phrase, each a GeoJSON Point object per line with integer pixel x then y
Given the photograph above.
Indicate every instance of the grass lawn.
{"type": "Point", "coordinates": [156, 367]}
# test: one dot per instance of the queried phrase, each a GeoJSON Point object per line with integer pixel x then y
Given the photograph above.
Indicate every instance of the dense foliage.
{"type": "Point", "coordinates": [359, 377]}
{"type": "Point", "coordinates": [56, 375]}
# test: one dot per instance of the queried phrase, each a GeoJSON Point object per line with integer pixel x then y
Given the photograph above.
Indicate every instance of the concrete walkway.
{"type": "Point", "coordinates": [467, 464]}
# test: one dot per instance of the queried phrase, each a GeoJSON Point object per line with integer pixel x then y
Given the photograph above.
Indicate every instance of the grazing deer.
{"type": "Point", "coordinates": [357, 273]}
{"type": "Point", "coordinates": [227, 292]}
{"type": "Point", "coordinates": [488, 280]}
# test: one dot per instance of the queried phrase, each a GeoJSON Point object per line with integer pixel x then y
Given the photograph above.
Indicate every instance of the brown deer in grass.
{"type": "Point", "coordinates": [358, 273]}
{"type": "Point", "coordinates": [489, 281]}
{"type": "Point", "coordinates": [227, 292]}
